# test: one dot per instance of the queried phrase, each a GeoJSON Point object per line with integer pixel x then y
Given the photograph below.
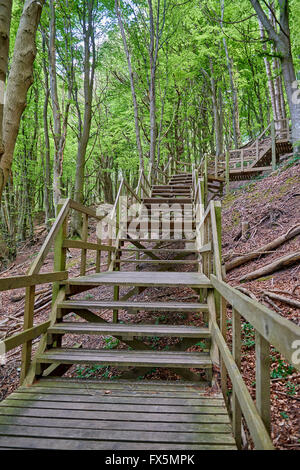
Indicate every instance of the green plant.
{"type": "Point", "coordinates": [86, 372]}
{"type": "Point", "coordinates": [291, 388]}
{"type": "Point", "coordinates": [88, 297]}
{"type": "Point", "coordinates": [282, 370]}
{"type": "Point", "coordinates": [249, 335]}
{"type": "Point", "coordinates": [111, 343]}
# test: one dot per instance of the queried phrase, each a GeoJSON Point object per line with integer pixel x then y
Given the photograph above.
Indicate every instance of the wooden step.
{"type": "Point", "coordinates": [128, 278]}
{"type": "Point", "coordinates": [182, 307]}
{"type": "Point", "coordinates": [169, 195]}
{"type": "Point", "coordinates": [159, 250]}
{"type": "Point", "coordinates": [118, 329]}
{"type": "Point", "coordinates": [169, 187]}
{"type": "Point", "coordinates": [156, 261]}
{"type": "Point", "coordinates": [121, 358]}
{"type": "Point", "coordinates": [186, 200]}
{"type": "Point", "coordinates": [157, 240]}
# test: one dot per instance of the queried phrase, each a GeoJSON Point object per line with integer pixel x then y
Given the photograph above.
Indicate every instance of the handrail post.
{"type": "Point", "coordinates": [205, 180]}
{"type": "Point", "coordinates": [227, 171]}
{"type": "Point", "coordinates": [262, 351]}
{"type": "Point", "coordinates": [59, 253]}
{"type": "Point", "coordinates": [28, 323]}
{"type": "Point", "coordinates": [84, 238]}
{"type": "Point", "coordinates": [98, 254]}
{"type": "Point", "coordinates": [236, 352]}
{"type": "Point", "coordinates": [273, 137]}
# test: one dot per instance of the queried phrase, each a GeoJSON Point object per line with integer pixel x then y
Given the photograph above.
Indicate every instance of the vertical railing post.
{"type": "Point", "coordinates": [262, 351]}
{"type": "Point", "coordinates": [98, 253]}
{"type": "Point", "coordinates": [273, 137]}
{"type": "Point", "coordinates": [236, 352]}
{"type": "Point", "coordinates": [59, 253]}
{"type": "Point", "coordinates": [242, 160]}
{"type": "Point", "coordinates": [227, 172]}
{"type": "Point", "coordinates": [84, 237]}
{"type": "Point", "coordinates": [28, 323]}
{"type": "Point", "coordinates": [216, 166]}
{"type": "Point", "coordinates": [205, 180]}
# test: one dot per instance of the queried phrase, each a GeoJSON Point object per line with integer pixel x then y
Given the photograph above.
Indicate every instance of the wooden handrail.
{"type": "Point", "coordinates": [17, 282]}
{"type": "Point", "coordinates": [259, 434]}
{"type": "Point", "coordinates": [86, 245]}
{"type": "Point", "coordinates": [278, 331]}
{"type": "Point", "coordinates": [26, 335]}
{"type": "Point", "coordinates": [37, 263]}
{"type": "Point", "coordinates": [131, 191]}
{"type": "Point", "coordinates": [85, 210]}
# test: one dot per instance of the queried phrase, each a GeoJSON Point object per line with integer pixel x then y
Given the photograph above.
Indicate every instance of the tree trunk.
{"type": "Point", "coordinates": [281, 263]}
{"type": "Point", "coordinates": [5, 18]}
{"type": "Point", "coordinates": [46, 153]}
{"type": "Point", "coordinates": [283, 45]}
{"type": "Point", "coordinates": [132, 86]}
{"type": "Point", "coordinates": [19, 81]}
{"type": "Point", "coordinates": [152, 96]}
{"type": "Point", "coordinates": [235, 108]}
{"type": "Point", "coordinates": [84, 132]}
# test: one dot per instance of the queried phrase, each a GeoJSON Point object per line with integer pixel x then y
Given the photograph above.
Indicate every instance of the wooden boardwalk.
{"type": "Point", "coordinates": [70, 415]}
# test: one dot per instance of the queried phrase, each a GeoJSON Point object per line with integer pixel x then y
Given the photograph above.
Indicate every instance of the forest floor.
{"type": "Point", "coordinates": [270, 208]}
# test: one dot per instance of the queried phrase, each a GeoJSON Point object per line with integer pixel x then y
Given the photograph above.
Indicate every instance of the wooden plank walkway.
{"type": "Point", "coordinates": [83, 415]}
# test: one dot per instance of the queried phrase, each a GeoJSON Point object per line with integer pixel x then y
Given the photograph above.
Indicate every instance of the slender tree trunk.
{"type": "Point", "coordinates": [46, 153]}
{"type": "Point", "coordinates": [56, 111]}
{"type": "Point", "coordinates": [283, 45]}
{"type": "Point", "coordinates": [217, 111]}
{"type": "Point", "coordinates": [5, 19]}
{"type": "Point", "coordinates": [84, 134]}
{"type": "Point", "coordinates": [19, 81]}
{"type": "Point", "coordinates": [235, 108]}
{"type": "Point", "coordinates": [152, 96]}
{"type": "Point", "coordinates": [132, 86]}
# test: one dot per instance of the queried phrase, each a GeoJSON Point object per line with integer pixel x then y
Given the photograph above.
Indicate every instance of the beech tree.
{"type": "Point", "coordinates": [281, 36]}
{"type": "Point", "coordinates": [20, 77]}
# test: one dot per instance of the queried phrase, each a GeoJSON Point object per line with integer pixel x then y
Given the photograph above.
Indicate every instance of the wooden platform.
{"type": "Point", "coordinates": [82, 415]}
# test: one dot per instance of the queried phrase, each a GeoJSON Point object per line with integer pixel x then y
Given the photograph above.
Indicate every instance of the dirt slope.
{"type": "Point", "coordinates": [271, 207]}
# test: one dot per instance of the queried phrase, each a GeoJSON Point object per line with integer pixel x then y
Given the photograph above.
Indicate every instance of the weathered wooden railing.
{"type": "Point", "coordinates": [277, 130]}
{"type": "Point", "coordinates": [270, 328]}
{"type": "Point", "coordinates": [57, 237]}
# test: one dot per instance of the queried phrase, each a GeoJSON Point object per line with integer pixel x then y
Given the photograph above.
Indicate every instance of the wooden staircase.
{"type": "Point", "coordinates": [52, 410]}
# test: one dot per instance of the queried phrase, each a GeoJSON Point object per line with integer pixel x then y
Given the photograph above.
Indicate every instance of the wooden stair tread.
{"type": "Point", "coordinates": [160, 250]}
{"type": "Point", "coordinates": [156, 261]}
{"type": "Point", "coordinates": [127, 305]}
{"type": "Point", "coordinates": [155, 240]}
{"type": "Point", "coordinates": [142, 278]}
{"type": "Point", "coordinates": [157, 200]}
{"type": "Point", "coordinates": [130, 329]}
{"type": "Point", "coordinates": [125, 358]}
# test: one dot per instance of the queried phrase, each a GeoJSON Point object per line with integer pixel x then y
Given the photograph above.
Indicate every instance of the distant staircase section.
{"type": "Point", "coordinates": [262, 154]}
